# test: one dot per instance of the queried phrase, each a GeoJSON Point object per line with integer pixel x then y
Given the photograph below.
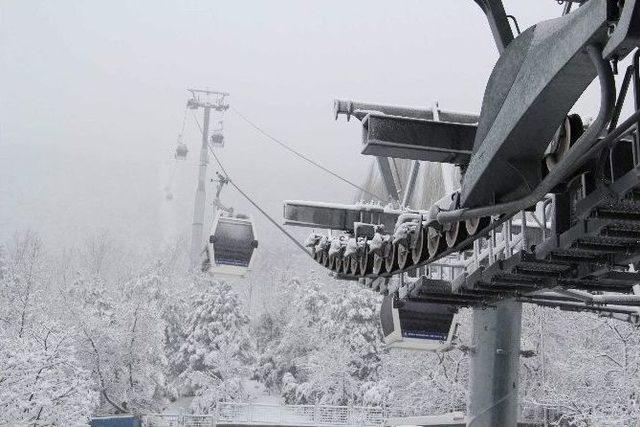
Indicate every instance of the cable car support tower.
{"type": "Point", "coordinates": [207, 100]}
{"type": "Point", "coordinates": [546, 209]}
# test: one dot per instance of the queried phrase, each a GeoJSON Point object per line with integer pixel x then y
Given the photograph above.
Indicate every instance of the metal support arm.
{"type": "Point", "coordinates": [568, 163]}
{"type": "Point", "coordinates": [336, 216]}
{"type": "Point", "coordinates": [502, 33]}
{"type": "Point", "coordinates": [417, 139]}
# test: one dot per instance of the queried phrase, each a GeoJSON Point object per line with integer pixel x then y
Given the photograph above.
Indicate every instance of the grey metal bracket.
{"type": "Point", "coordinates": [502, 33]}
{"type": "Point", "coordinates": [384, 165]}
{"type": "Point", "coordinates": [417, 139]}
{"type": "Point", "coordinates": [336, 216]}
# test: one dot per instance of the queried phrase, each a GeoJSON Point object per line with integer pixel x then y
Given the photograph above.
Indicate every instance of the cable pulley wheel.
{"type": "Point", "coordinates": [476, 224]}
{"type": "Point", "coordinates": [337, 264]}
{"type": "Point", "coordinates": [420, 251]}
{"type": "Point", "coordinates": [366, 261]}
{"type": "Point", "coordinates": [572, 128]}
{"type": "Point", "coordinates": [455, 234]}
{"type": "Point", "coordinates": [404, 256]}
{"type": "Point", "coordinates": [435, 243]}
{"type": "Point", "coordinates": [378, 264]}
{"type": "Point", "coordinates": [346, 264]}
{"type": "Point", "coordinates": [328, 261]}
{"type": "Point", "coordinates": [354, 266]}
{"type": "Point", "coordinates": [391, 258]}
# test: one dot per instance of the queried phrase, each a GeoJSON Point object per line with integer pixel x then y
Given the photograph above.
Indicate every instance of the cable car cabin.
{"type": "Point", "coordinates": [417, 325]}
{"type": "Point", "coordinates": [231, 245]}
{"type": "Point", "coordinates": [181, 151]}
{"type": "Point", "coordinates": [217, 138]}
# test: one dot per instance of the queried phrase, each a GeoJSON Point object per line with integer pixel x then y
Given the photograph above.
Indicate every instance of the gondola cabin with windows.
{"type": "Point", "coordinates": [231, 246]}
{"type": "Point", "coordinates": [417, 325]}
{"type": "Point", "coordinates": [217, 136]}
{"type": "Point", "coordinates": [217, 139]}
{"type": "Point", "coordinates": [181, 151]}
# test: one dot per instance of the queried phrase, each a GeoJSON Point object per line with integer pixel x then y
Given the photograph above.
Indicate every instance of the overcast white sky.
{"type": "Point", "coordinates": [92, 96]}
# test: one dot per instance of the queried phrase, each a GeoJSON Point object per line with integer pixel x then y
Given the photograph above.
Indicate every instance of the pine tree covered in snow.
{"type": "Point", "coordinates": [215, 347]}
{"type": "Point", "coordinates": [329, 347]}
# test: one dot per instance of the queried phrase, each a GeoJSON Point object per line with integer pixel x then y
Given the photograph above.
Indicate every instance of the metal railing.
{"type": "Point", "coordinates": [289, 415]}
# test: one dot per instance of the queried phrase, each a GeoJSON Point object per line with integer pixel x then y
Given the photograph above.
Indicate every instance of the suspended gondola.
{"type": "Point", "coordinates": [231, 246]}
{"type": "Point", "coordinates": [217, 136]}
{"type": "Point", "coordinates": [181, 151]}
{"type": "Point", "coordinates": [417, 325]}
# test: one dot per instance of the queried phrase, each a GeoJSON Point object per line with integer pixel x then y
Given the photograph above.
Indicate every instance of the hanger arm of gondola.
{"type": "Point", "coordinates": [221, 182]}
{"type": "Point", "coordinates": [255, 205]}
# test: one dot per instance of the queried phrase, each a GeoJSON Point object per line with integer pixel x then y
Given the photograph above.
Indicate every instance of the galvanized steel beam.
{"type": "Point", "coordinates": [531, 89]}
{"type": "Point", "coordinates": [360, 109]}
{"type": "Point", "coordinates": [384, 166]}
{"type": "Point", "coordinates": [502, 33]}
{"type": "Point", "coordinates": [417, 139]}
{"type": "Point", "coordinates": [336, 216]}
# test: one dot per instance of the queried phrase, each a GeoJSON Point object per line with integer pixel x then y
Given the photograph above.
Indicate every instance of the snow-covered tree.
{"type": "Point", "coordinates": [352, 317]}
{"type": "Point", "coordinates": [215, 347]}
{"type": "Point", "coordinates": [291, 326]}
{"type": "Point", "coordinates": [42, 382]}
{"type": "Point", "coordinates": [417, 383]}
{"type": "Point", "coordinates": [585, 368]}
{"type": "Point", "coordinates": [122, 343]}
{"type": "Point", "coordinates": [325, 344]}
{"type": "Point", "coordinates": [326, 378]}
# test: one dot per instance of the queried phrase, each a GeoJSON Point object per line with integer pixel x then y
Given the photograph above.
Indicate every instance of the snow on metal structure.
{"type": "Point", "coordinates": [207, 100]}
{"type": "Point", "coordinates": [545, 211]}
{"type": "Point", "coordinates": [588, 237]}
{"type": "Point", "coordinates": [232, 240]}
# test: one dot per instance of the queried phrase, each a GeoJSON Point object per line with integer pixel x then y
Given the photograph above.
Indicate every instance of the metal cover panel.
{"type": "Point", "coordinates": [531, 89]}
{"type": "Point", "coordinates": [336, 216]}
{"type": "Point", "coordinates": [418, 139]}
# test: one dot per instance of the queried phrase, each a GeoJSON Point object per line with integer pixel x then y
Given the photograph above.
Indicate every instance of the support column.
{"type": "Point", "coordinates": [387, 177]}
{"type": "Point", "coordinates": [494, 376]}
{"type": "Point", "coordinates": [201, 194]}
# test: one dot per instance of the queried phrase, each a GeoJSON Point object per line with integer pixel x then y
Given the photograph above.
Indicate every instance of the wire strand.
{"type": "Point", "coordinates": [239, 190]}
{"type": "Point", "coordinates": [302, 156]}
{"type": "Point", "coordinates": [515, 22]}
{"type": "Point", "coordinates": [262, 211]}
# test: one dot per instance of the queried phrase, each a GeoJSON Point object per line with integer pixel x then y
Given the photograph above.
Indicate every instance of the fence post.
{"type": "Point", "coordinates": [216, 415]}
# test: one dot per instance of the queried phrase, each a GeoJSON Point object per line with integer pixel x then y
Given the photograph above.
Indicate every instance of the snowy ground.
{"type": "Point", "coordinates": [258, 394]}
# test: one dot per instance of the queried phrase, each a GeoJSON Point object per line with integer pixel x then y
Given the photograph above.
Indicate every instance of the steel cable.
{"type": "Point", "coordinates": [250, 200]}
{"type": "Point", "coordinates": [302, 156]}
